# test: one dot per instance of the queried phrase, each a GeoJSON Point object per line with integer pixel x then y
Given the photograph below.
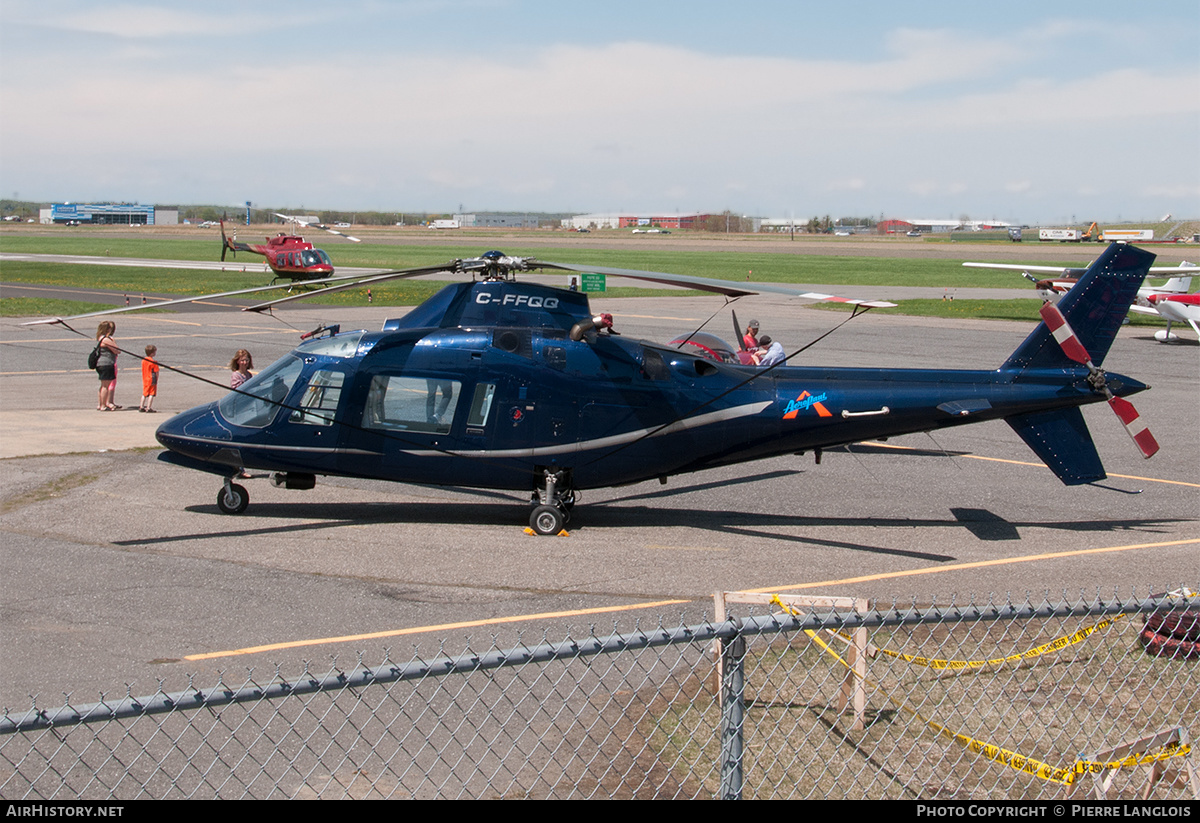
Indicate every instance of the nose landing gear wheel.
{"type": "Point", "coordinates": [547, 520]}
{"type": "Point", "coordinates": [233, 499]}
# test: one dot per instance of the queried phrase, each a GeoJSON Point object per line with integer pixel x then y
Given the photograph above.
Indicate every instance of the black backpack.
{"type": "Point", "coordinates": [94, 357]}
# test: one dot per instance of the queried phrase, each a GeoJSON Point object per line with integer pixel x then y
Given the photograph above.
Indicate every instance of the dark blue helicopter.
{"type": "Point", "coordinates": [502, 384]}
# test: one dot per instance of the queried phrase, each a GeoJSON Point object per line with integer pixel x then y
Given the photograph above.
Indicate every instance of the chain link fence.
{"type": "Point", "coordinates": [1097, 697]}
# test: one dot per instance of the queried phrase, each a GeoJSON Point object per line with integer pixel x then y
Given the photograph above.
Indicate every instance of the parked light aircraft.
{"type": "Point", "coordinates": [1149, 300]}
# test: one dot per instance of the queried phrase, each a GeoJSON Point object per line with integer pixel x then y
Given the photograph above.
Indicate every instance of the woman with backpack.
{"type": "Point", "coordinates": [106, 365]}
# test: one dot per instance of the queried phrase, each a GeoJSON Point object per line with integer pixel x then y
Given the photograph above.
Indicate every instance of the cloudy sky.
{"type": "Point", "coordinates": [1026, 111]}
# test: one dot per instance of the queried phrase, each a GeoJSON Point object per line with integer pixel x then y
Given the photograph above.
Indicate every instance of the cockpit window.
{"type": "Point", "coordinates": [416, 404]}
{"type": "Point", "coordinates": [257, 401]}
{"type": "Point", "coordinates": [340, 345]}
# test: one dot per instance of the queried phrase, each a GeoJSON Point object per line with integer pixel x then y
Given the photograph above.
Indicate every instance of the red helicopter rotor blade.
{"type": "Point", "coordinates": [1133, 424]}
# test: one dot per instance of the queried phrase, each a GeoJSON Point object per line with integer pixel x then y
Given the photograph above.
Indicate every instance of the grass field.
{"type": "Point", "coordinates": [742, 265]}
{"type": "Point", "coordinates": [724, 265]}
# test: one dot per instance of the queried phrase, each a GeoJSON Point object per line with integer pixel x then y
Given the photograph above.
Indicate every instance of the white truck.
{"type": "Point", "coordinates": [445, 224]}
{"type": "Point", "coordinates": [1062, 235]}
{"type": "Point", "coordinates": [1128, 235]}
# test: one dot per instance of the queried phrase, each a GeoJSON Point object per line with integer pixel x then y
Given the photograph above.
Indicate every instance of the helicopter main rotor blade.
{"type": "Point", "coordinates": [323, 227]}
{"type": "Point", "coordinates": [725, 287]}
{"type": "Point", "coordinates": [123, 309]}
{"type": "Point", "coordinates": [358, 280]}
{"type": "Point", "coordinates": [306, 224]}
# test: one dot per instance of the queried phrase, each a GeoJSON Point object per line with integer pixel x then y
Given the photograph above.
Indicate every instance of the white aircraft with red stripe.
{"type": "Point", "coordinates": [1174, 308]}
{"type": "Point", "coordinates": [1170, 301]}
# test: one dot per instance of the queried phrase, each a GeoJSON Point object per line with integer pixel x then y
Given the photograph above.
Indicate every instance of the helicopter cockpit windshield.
{"type": "Point", "coordinates": [315, 257]}
{"type": "Point", "coordinates": [257, 401]}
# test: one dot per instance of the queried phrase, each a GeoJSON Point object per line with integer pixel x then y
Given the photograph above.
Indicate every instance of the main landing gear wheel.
{"type": "Point", "coordinates": [547, 520]}
{"type": "Point", "coordinates": [233, 499]}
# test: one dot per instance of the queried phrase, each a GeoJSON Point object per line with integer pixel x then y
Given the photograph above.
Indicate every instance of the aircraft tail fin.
{"type": "Point", "coordinates": [1061, 439]}
{"type": "Point", "coordinates": [1094, 308]}
{"type": "Point", "coordinates": [1178, 285]}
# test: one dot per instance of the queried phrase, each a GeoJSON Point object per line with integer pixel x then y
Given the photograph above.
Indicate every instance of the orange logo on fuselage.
{"type": "Point", "coordinates": [807, 401]}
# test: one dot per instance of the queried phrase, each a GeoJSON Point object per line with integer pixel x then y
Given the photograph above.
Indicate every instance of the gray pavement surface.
{"type": "Point", "coordinates": [120, 569]}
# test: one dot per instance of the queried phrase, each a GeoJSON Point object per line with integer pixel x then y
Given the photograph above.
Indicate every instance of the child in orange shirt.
{"type": "Point", "coordinates": [149, 380]}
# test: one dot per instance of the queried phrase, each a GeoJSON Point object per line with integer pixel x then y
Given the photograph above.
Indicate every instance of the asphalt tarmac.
{"type": "Point", "coordinates": [120, 569]}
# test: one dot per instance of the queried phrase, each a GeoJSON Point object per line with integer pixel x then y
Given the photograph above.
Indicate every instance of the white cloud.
{"type": "Point", "coordinates": [934, 116]}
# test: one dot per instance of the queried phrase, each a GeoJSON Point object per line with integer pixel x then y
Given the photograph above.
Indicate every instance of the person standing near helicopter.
{"type": "Point", "coordinates": [750, 339]}
{"type": "Point", "coordinates": [770, 352]}
{"type": "Point", "coordinates": [106, 365]}
{"type": "Point", "coordinates": [239, 368]}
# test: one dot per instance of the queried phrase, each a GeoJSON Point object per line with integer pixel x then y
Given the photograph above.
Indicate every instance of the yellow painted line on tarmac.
{"type": "Point", "coordinates": [1036, 465]}
{"type": "Point", "coordinates": [468, 624]}
{"type": "Point", "coordinates": [666, 548]}
{"type": "Point", "coordinates": [518, 618]}
{"type": "Point", "coordinates": [957, 567]}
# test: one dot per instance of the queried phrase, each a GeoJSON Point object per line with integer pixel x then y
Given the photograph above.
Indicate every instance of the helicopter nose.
{"type": "Point", "coordinates": [196, 432]}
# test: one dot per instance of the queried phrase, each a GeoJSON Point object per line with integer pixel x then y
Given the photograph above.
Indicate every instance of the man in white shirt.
{"type": "Point", "coordinates": [771, 352]}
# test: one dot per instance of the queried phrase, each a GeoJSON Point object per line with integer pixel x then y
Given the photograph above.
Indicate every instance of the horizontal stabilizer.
{"type": "Point", "coordinates": [1062, 440]}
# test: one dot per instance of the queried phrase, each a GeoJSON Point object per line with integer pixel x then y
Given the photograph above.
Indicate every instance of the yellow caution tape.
{"type": "Point", "coordinates": [1053, 646]}
{"type": "Point", "coordinates": [998, 754]}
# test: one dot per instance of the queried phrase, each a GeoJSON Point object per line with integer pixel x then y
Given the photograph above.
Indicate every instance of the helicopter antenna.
{"type": "Point", "coordinates": [728, 301]}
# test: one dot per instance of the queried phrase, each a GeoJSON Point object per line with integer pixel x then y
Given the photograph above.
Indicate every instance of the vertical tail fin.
{"type": "Point", "coordinates": [1094, 307]}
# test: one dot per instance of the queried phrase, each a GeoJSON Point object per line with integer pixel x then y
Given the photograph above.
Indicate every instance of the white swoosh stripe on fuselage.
{"type": "Point", "coordinates": [699, 420]}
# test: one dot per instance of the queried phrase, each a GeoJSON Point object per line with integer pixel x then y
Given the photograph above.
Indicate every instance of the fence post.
{"type": "Point", "coordinates": [733, 714]}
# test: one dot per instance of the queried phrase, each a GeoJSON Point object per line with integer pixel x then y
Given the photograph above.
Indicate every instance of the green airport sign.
{"type": "Point", "coordinates": [593, 282]}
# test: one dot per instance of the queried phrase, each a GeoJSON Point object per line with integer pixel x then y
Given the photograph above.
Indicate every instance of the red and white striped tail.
{"type": "Point", "coordinates": [1064, 334]}
{"type": "Point", "coordinates": [1133, 424]}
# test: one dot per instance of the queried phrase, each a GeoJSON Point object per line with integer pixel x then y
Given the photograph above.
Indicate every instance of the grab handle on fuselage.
{"type": "Point", "coordinates": [874, 413]}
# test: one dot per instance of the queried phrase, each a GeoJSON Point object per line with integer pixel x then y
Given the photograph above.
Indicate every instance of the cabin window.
{"type": "Point", "coordinates": [258, 400]}
{"type": "Point", "coordinates": [319, 402]}
{"type": "Point", "coordinates": [481, 404]}
{"type": "Point", "coordinates": [654, 366]}
{"type": "Point", "coordinates": [416, 404]}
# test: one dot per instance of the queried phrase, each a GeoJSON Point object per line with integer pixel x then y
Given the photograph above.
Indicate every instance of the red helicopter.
{"type": "Point", "coordinates": [290, 256]}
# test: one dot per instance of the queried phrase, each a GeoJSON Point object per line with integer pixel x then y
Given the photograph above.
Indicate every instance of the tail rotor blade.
{"type": "Point", "coordinates": [1064, 334]}
{"type": "Point", "coordinates": [1072, 348]}
{"type": "Point", "coordinates": [1133, 424]}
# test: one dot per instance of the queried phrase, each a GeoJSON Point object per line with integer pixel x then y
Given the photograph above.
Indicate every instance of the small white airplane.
{"type": "Point", "coordinates": [1174, 308]}
{"type": "Point", "coordinates": [1180, 307]}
